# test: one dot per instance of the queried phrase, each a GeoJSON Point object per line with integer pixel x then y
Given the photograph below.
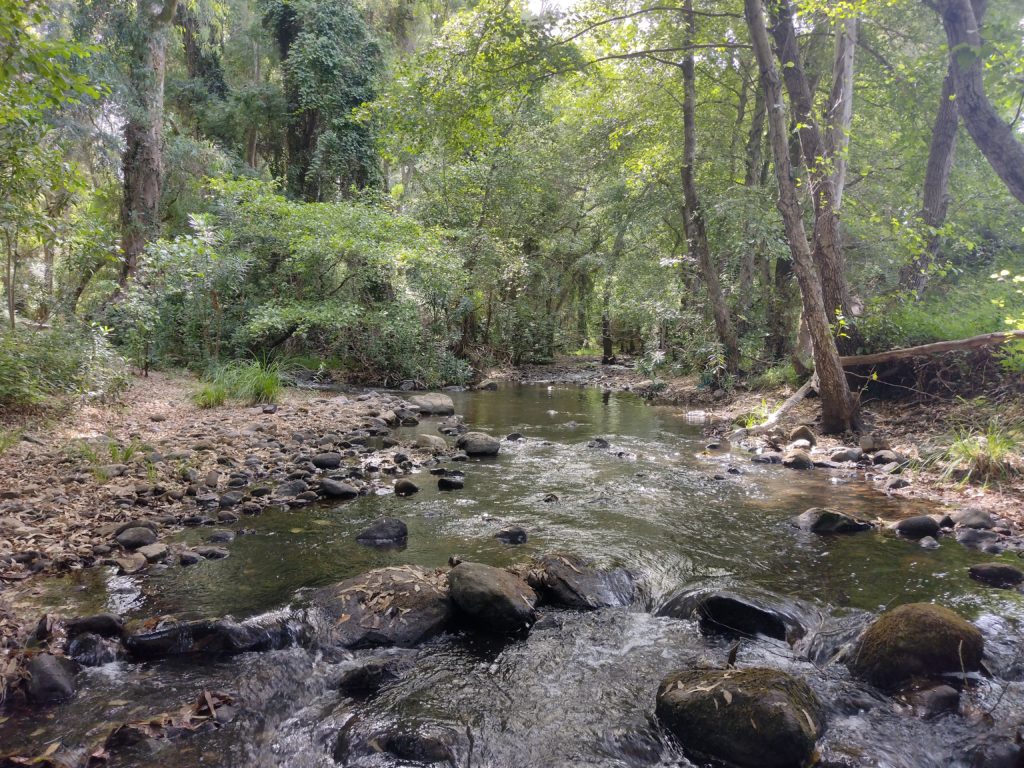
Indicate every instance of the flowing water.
{"type": "Point", "coordinates": [579, 691]}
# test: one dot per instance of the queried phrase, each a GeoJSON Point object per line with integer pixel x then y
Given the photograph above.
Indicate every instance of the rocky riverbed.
{"type": "Point", "coordinates": [528, 576]}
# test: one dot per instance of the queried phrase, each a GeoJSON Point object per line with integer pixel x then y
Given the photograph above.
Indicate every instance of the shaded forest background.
{"type": "Point", "coordinates": [416, 190]}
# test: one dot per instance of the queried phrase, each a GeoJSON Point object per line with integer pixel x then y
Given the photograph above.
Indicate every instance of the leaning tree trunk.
{"type": "Point", "coordinates": [693, 216]}
{"type": "Point", "coordinates": [838, 406]}
{"type": "Point", "coordinates": [142, 162]}
{"type": "Point", "coordinates": [994, 136]}
{"type": "Point", "coordinates": [828, 252]}
{"type": "Point", "coordinates": [840, 105]}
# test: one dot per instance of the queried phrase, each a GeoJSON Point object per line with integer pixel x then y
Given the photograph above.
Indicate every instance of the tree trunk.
{"type": "Point", "coordinates": [142, 161]}
{"type": "Point", "coordinates": [840, 105]}
{"type": "Point", "coordinates": [828, 252]}
{"type": "Point", "coordinates": [994, 137]}
{"type": "Point", "coordinates": [11, 249]}
{"type": "Point", "coordinates": [941, 152]}
{"type": "Point", "coordinates": [755, 140]}
{"type": "Point", "coordinates": [838, 407]}
{"type": "Point", "coordinates": [607, 350]}
{"type": "Point", "coordinates": [693, 216]}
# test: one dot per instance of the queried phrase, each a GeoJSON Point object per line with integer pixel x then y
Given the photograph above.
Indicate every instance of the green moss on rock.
{"type": "Point", "coordinates": [918, 640]}
{"type": "Point", "coordinates": [749, 718]}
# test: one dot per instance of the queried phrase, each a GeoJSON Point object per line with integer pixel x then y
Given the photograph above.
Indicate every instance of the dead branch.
{"type": "Point", "coordinates": [937, 348]}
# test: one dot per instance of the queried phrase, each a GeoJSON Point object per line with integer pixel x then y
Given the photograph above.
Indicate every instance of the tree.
{"type": "Point", "coordinates": [991, 133]}
{"type": "Point", "coordinates": [142, 161]}
{"type": "Point", "coordinates": [838, 406]}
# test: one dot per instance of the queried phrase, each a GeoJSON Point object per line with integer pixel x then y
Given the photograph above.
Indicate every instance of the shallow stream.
{"type": "Point", "coordinates": [579, 691]}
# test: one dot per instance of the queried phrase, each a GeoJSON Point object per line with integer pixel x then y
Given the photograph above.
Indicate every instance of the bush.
{"type": "Point", "coordinates": [36, 365]}
{"type": "Point", "coordinates": [253, 381]}
{"type": "Point", "coordinates": [210, 395]}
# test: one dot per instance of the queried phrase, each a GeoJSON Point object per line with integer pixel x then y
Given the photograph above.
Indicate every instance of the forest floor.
{"type": "Point", "coordinates": [921, 430]}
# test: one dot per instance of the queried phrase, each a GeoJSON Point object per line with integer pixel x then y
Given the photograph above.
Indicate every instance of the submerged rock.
{"type": "Point", "coordinates": [401, 606]}
{"type": "Point", "coordinates": [364, 677]}
{"type": "Point", "coordinates": [451, 483]}
{"type": "Point", "coordinates": [406, 487]}
{"type": "Point", "coordinates": [91, 650]}
{"type": "Point", "coordinates": [748, 718]}
{"type": "Point", "coordinates": [797, 460]}
{"type": "Point", "coordinates": [51, 679]}
{"type": "Point", "coordinates": [728, 612]}
{"type": "Point", "coordinates": [918, 640]}
{"type": "Point", "coordinates": [492, 598]}
{"type": "Point", "coordinates": [386, 532]}
{"type": "Point", "coordinates": [222, 636]}
{"type": "Point", "coordinates": [569, 581]}
{"type": "Point", "coordinates": [917, 527]}
{"type": "Point", "coordinates": [432, 443]}
{"type": "Point", "coordinates": [828, 521]}
{"type": "Point", "coordinates": [512, 535]}
{"type": "Point", "coordinates": [361, 742]}
{"type": "Point", "coordinates": [997, 575]}
{"type": "Point", "coordinates": [478, 444]}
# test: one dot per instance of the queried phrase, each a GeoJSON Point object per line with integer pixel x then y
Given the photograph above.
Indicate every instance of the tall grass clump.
{"type": "Point", "coordinates": [989, 454]}
{"type": "Point", "coordinates": [211, 394]}
{"type": "Point", "coordinates": [255, 381]}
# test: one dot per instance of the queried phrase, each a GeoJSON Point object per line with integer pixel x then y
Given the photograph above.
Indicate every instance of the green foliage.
{"type": "Point", "coordinates": [211, 394]}
{"type": "Point", "coordinates": [776, 377]}
{"type": "Point", "coordinates": [8, 439]}
{"type": "Point", "coordinates": [755, 417]}
{"type": "Point", "coordinates": [255, 381]}
{"type": "Point", "coordinates": [37, 365]}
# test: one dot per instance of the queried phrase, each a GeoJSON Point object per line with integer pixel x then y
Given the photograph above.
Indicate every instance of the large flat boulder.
{"type": "Point", "coordinates": [478, 444]}
{"type": "Point", "coordinates": [747, 718]}
{"type": "Point", "coordinates": [433, 404]}
{"type": "Point", "coordinates": [402, 605]}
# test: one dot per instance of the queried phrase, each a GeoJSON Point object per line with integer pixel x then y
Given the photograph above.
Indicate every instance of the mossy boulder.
{"type": "Point", "coordinates": [748, 718]}
{"type": "Point", "coordinates": [915, 641]}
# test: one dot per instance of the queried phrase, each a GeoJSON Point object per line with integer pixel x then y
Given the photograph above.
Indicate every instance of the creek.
{"type": "Point", "coordinates": [580, 689]}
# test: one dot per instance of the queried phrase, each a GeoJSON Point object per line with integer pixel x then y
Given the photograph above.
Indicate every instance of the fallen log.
{"type": "Point", "coordinates": [936, 348]}
{"type": "Point", "coordinates": [772, 421]}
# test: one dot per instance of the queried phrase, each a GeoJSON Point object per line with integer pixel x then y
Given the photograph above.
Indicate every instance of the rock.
{"type": "Point", "coordinates": [873, 442]}
{"type": "Point", "coordinates": [847, 454]}
{"type": "Point", "coordinates": [478, 444]}
{"type": "Point", "coordinates": [386, 532]}
{"type": "Point", "coordinates": [131, 563]}
{"type": "Point", "coordinates": [366, 676]}
{"type": "Point", "coordinates": [493, 599]}
{"type": "Point", "coordinates": [569, 581]}
{"type": "Point", "coordinates": [451, 483]}
{"type": "Point", "coordinates": [401, 606]}
{"type": "Point", "coordinates": [133, 538]}
{"type": "Point", "coordinates": [432, 443]}
{"type": "Point", "coordinates": [91, 650]}
{"type": "Point", "coordinates": [211, 553]}
{"type": "Point", "coordinates": [188, 557]}
{"type": "Point", "coordinates": [797, 460]}
{"type": "Point", "coordinates": [939, 700]}
{"type": "Point", "coordinates": [102, 624]}
{"type": "Point", "coordinates": [230, 499]}
{"type": "Point", "coordinates": [487, 385]}
{"type": "Point", "coordinates": [917, 640]}
{"type": "Point", "coordinates": [405, 487]}
{"type": "Point", "coordinates": [896, 483]}
{"type": "Point", "coordinates": [415, 742]}
{"type": "Point", "coordinates": [746, 718]}
{"type": "Point", "coordinates": [327, 460]}
{"type": "Point", "coordinates": [972, 517]}
{"type": "Point", "coordinates": [154, 553]}
{"type": "Point", "coordinates": [887, 457]}
{"type": "Point", "coordinates": [51, 679]}
{"type": "Point", "coordinates": [291, 488]}
{"type": "Point", "coordinates": [803, 432]}
{"type": "Point", "coordinates": [997, 575]}
{"type": "Point", "coordinates": [210, 637]}
{"type": "Point", "coordinates": [917, 527]}
{"type": "Point", "coordinates": [515, 437]}
{"type": "Point", "coordinates": [771, 457]}
{"type": "Point", "coordinates": [221, 537]}
{"type": "Point", "coordinates": [800, 445]}
{"type": "Point", "coordinates": [727, 612]}
{"type": "Point", "coordinates": [978, 538]}
{"type": "Point", "coordinates": [336, 489]}
{"type": "Point", "coordinates": [928, 543]}
{"type": "Point", "coordinates": [512, 535]}
{"type": "Point", "coordinates": [827, 521]}
{"type": "Point", "coordinates": [433, 403]}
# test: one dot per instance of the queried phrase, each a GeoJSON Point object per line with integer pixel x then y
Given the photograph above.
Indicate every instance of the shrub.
{"type": "Point", "coordinates": [212, 394]}
{"type": "Point", "coordinates": [984, 455]}
{"type": "Point", "coordinates": [253, 381]}
{"type": "Point", "coordinates": [38, 364]}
